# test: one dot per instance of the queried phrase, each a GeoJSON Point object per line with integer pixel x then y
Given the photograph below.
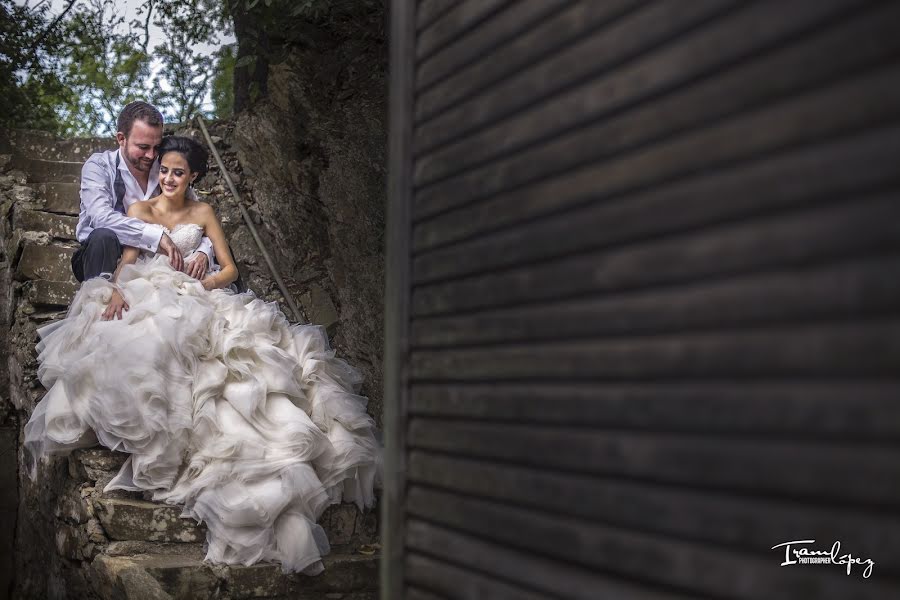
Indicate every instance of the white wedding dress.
{"type": "Point", "coordinates": [249, 422]}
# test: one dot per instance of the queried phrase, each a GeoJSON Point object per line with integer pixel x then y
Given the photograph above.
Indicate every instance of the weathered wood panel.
{"type": "Point", "coordinates": [842, 349]}
{"type": "Point", "coordinates": [667, 562]}
{"type": "Point", "coordinates": [415, 593]}
{"type": "Point", "coordinates": [525, 569]}
{"type": "Point", "coordinates": [771, 241]}
{"type": "Point", "coordinates": [455, 22]}
{"type": "Point", "coordinates": [856, 286]}
{"type": "Point", "coordinates": [815, 471]}
{"type": "Point", "coordinates": [507, 24]}
{"type": "Point", "coordinates": [742, 522]}
{"type": "Point", "coordinates": [644, 213]}
{"type": "Point", "coordinates": [560, 108]}
{"type": "Point", "coordinates": [811, 409]}
{"type": "Point", "coordinates": [703, 516]}
{"type": "Point", "coordinates": [462, 584]}
{"type": "Point", "coordinates": [428, 11]}
{"type": "Point", "coordinates": [447, 488]}
{"type": "Point", "coordinates": [729, 93]}
{"type": "Point", "coordinates": [529, 47]}
{"type": "Point", "coordinates": [647, 325]}
{"type": "Point", "coordinates": [865, 101]}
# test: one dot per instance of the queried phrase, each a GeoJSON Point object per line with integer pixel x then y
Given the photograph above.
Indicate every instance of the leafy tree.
{"type": "Point", "coordinates": [30, 86]}
{"type": "Point", "coordinates": [223, 82]}
{"type": "Point", "coordinates": [107, 66]}
{"type": "Point", "coordinates": [188, 75]}
{"type": "Point", "coordinates": [71, 73]}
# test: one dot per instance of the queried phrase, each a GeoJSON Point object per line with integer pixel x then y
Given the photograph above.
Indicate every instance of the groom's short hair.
{"type": "Point", "coordinates": [138, 110]}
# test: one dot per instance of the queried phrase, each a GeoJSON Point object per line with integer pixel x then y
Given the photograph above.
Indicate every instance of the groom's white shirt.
{"type": "Point", "coordinates": [98, 200]}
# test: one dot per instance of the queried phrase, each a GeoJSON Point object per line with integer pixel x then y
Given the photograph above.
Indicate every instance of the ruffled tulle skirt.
{"type": "Point", "coordinates": [249, 422]}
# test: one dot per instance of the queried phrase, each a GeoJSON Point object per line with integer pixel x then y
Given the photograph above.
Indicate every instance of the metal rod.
{"type": "Point", "coordinates": [237, 199]}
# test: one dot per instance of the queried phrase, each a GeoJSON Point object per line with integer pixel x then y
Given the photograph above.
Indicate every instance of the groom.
{"type": "Point", "coordinates": [111, 182]}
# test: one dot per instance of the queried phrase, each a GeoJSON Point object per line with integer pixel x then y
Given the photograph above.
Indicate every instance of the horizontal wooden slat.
{"type": "Point", "coordinates": [597, 55]}
{"type": "Point", "coordinates": [746, 523]}
{"type": "Point", "coordinates": [834, 290]}
{"type": "Point", "coordinates": [827, 170]}
{"type": "Point", "coordinates": [840, 350]}
{"type": "Point", "coordinates": [803, 409]}
{"type": "Point", "coordinates": [852, 473]}
{"type": "Point", "coordinates": [556, 32]}
{"type": "Point", "coordinates": [428, 11]}
{"type": "Point", "coordinates": [552, 109]}
{"type": "Point", "coordinates": [481, 42]}
{"type": "Point", "coordinates": [779, 241]}
{"type": "Point", "coordinates": [700, 515]}
{"type": "Point", "coordinates": [682, 565]}
{"type": "Point", "coordinates": [770, 76]}
{"type": "Point", "coordinates": [528, 570]}
{"type": "Point", "coordinates": [416, 593]}
{"type": "Point", "coordinates": [454, 23]}
{"type": "Point", "coordinates": [463, 584]}
{"type": "Point", "coordinates": [842, 109]}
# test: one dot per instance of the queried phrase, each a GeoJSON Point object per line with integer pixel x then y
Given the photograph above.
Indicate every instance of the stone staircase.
{"type": "Point", "coordinates": [120, 544]}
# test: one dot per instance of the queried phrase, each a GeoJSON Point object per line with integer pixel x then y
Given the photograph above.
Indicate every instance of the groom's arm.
{"type": "Point", "coordinates": [97, 199]}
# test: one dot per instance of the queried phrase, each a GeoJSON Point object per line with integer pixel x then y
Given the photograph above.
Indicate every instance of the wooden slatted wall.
{"type": "Point", "coordinates": [644, 298]}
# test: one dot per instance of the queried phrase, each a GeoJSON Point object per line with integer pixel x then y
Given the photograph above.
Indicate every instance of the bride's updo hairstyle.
{"type": "Point", "coordinates": [195, 154]}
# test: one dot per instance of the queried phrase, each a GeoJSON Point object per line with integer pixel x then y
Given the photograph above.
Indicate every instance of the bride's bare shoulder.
{"type": "Point", "coordinates": [201, 210]}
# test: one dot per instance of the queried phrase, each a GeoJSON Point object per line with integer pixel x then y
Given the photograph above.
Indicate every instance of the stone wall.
{"type": "Point", "coordinates": [37, 236]}
{"type": "Point", "coordinates": [311, 163]}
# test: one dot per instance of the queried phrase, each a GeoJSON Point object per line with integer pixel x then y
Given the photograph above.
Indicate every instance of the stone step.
{"type": "Point", "coordinates": [131, 516]}
{"type": "Point", "coordinates": [56, 226]}
{"type": "Point", "coordinates": [45, 171]}
{"type": "Point", "coordinates": [45, 146]}
{"type": "Point", "coordinates": [48, 262]}
{"type": "Point", "coordinates": [50, 293]}
{"type": "Point", "coordinates": [124, 519]}
{"type": "Point", "coordinates": [159, 572]}
{"type": "Point", "coordinates": [59, 197]}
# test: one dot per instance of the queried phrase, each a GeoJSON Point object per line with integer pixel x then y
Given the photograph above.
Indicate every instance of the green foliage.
{"type": "Point", "coordinates": [223, 82]}
{"type": "Point", "coordinates": [71, 72]}
{"type": "Point", "coordinates": [106, 67]}
{"type": "Point", "coordinates": [30, 86]}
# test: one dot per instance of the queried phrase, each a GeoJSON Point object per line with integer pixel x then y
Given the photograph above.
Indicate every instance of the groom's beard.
{"type": "Point", "coordinates": [141, 164]}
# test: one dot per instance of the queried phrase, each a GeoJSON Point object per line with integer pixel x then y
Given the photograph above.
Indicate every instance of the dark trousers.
{"type": "Point", "coordinates": [98, 254]}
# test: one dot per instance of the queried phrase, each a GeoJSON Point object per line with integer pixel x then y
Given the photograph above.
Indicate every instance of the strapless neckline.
{"type": "Point", "coordinates": [174, 229]}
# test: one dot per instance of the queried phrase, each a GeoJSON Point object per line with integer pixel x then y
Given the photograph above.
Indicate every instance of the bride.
{"type": "Point", "coordinates": [249, 422]}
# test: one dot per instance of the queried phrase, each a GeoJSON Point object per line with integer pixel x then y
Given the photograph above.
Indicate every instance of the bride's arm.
{"type": "Point", "coordinates": [214, 232]}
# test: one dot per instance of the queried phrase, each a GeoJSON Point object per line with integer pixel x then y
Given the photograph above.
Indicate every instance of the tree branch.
{"type": "Point", "coordinates": [46, 32]}
{"type": "Point", "coordinates": [147, 25]}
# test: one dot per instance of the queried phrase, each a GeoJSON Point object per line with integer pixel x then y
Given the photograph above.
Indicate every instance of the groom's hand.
{"type": "Point", "coordinates": [196, 267]}
{"type": "Point", "coordinates": [168, 247]}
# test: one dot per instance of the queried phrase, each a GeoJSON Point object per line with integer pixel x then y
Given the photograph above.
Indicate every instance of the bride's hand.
{"type": "Point", "coordinates": [209, 282]}
{"type": "Point", "coordinates": [196, 267]}
{"type": "Point", "coordinates": [115, 307]}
